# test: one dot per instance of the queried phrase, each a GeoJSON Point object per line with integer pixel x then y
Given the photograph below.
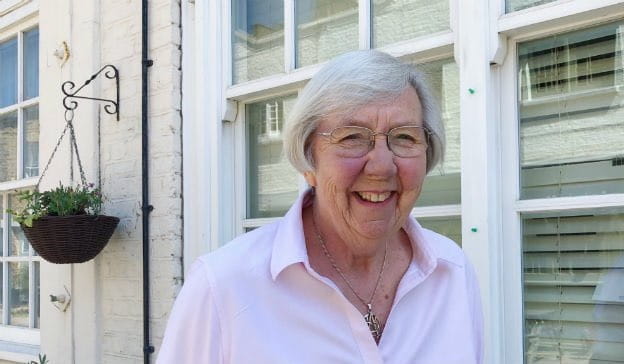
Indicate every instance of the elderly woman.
{"type": "Point", "coordinates": [347, 276]}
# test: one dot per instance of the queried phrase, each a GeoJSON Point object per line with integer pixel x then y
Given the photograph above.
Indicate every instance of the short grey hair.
{"type": "Point", "coordinates": [348, 82]}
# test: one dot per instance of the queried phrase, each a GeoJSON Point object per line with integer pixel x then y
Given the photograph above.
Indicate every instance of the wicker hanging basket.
{"type": "Point", "coordinates": [70, 239]}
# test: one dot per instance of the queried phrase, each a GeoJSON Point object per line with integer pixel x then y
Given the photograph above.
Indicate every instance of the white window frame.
{"type": "Point", "coordinates": [18, 16]}
{"type": "Point", "coordinates": [529, 24]}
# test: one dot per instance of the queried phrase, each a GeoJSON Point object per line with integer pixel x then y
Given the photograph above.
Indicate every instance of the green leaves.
{"type": "Point", "coordinates": [61, 201]}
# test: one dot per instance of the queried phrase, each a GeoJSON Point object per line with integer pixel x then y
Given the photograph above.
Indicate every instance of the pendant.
{"type": "Point", "coordinates": [373, 324]}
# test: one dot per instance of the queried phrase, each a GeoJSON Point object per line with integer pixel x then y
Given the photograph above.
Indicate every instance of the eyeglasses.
{"type": "Point", "coordinates": [356, 141]}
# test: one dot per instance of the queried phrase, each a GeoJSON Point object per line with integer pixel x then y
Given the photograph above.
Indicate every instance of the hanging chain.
{"type": "Point", "coordinates": [69, 117]}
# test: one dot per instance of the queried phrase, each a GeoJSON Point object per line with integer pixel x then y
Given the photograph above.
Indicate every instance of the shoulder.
{"type": "Point", "coordinates": [246, 254]}
{"type": "Point", "coordinates": [444, 248]}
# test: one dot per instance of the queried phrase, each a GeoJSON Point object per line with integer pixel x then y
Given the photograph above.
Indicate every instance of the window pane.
{"type": "Point", "coordinates": [8, 146]}
{"type": "Point", "coordinates": [31, 141]}
{"type": "Point", "coordinates": [18, 294]}
{"type": "Point", "coordinates": [447, 226]}
{"type": "Point", "coordinates": [272, 183]}
{"type": "Point", "coordinates": [257, 39]}
{"type": "Point", "coordinates": [8, 72]}
{"type": "Point", "coordinates": [571, 112]}
{"type": "Point", "coordinates": [325, 28]}
{"type": "Point", "coordinates": [31, 64]}
{"type": "Point", "coordinates": [18, 244]}
{"type": "Point", "coordinates": [442, 185]}
{"type": "Point", "coordinates": [2, 212]}
{"type": "Point", "coordinates": [573, 293]}
{"type": "Point", "coordinates": [514, 5]}
{"type": "Point", "coordinates": [37, 273]}
{"type": "Point", "coordinates": [397, 20]}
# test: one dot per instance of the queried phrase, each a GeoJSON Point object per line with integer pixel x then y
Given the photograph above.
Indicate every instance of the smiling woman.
{"type": "Point", "coordinates": [347, 275]}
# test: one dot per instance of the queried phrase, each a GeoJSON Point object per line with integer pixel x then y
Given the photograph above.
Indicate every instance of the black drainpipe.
{"type": "Point", "coordinates": [145, 205]}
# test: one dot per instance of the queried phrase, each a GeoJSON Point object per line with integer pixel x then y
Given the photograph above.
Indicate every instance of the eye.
{"type": "Point", "coordinates": [350, 135]}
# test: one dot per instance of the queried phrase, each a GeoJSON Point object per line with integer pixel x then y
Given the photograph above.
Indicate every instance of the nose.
{"type": "Point", "coordinates": [380, 158]}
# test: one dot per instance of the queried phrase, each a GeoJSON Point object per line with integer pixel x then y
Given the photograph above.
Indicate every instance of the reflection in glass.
{"type": "Point", "coordinates": [37, 273]}
{"type": "Point", "coordinates": [447, 226]}
{"type": "Point", "coordinates": [571, 112]}
{"type": "Point", "coordinates": [325, 28]}
{"type": "Point", "coordinates": [398, 20]}
{"type": "Point", "coordinates": [2, 212]}
{"type": "Point", "coordinates": [18, 294]}
{"type": "Point", "coordinates": [31, 63]}
{"type": "Point", "coordinates": [18, 244]}
{"type": "Point", "coordinates": [573, 265]}
{"type": "Point", "coordinates": [272, 183]}
{"type": "Point", "coordinates": [442, 185]}
{"type": "Point", "coordinates": [31, 141]}
{"type": "Point", "coordinates": [8, 146]}
{"type": "Point", "coordinates": [257, 39]}
{"type": "Point", "coordinates": [515, 5]}
{"type": "Point", "coordinates": [8, 72]}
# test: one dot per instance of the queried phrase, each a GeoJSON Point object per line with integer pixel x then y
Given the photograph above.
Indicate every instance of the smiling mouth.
{"type": "Point", "coordinates": [374, 196]}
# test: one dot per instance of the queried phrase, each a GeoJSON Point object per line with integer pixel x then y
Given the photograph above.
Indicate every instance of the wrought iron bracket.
{"type": "Point", "coordinates": [111, 106]}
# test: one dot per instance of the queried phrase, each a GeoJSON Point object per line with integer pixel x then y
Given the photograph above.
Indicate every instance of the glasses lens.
{"type": "Point", "coordinates": [351, 141]}
{"type": "Point", "coordinates": [408, 141]}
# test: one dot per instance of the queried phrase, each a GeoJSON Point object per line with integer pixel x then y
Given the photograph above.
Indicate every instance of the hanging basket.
{"type": "Point", "coordinates": [70, 239]}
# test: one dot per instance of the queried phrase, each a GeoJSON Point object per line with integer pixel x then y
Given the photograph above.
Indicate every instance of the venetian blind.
{"type": "Point", "coordinates": [572, 143]}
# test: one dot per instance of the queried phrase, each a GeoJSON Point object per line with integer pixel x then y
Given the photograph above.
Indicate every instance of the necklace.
{"type": "Point", "coordinates": [371, 319]}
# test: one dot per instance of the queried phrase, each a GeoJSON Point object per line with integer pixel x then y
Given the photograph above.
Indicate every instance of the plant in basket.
{"type": "Point", "coordinates": [64, 224]}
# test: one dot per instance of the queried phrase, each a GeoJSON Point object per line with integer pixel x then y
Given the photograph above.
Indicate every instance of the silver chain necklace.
{"type": "Point", "coordinates": [371, 319]}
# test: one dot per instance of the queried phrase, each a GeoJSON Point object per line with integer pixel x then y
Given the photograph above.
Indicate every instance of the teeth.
{"type": "Point", "coordinates": [374, 197]}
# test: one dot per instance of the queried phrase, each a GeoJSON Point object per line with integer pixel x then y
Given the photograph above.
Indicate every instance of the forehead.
{"type": "Point", "coordinates": [405, 109]}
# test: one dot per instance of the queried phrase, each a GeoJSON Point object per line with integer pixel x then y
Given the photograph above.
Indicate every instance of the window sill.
{"type": "Point", "coordinates": [20, 353]}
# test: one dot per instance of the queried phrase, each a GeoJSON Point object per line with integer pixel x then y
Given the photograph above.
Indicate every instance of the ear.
{"type": "Point", "coordinates": [310, 177]}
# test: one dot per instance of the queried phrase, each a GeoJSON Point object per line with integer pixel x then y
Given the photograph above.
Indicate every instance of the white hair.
{"type": "Point", "coordinates": [350, 81]}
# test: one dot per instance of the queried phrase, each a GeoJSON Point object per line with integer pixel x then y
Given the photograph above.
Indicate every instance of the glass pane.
{"type": "Point", "coordinates": [37, 273]}
{"type": "Point", "coordinates": [272, 183]}
{"type": "Point", "coordinates": [31, 141]}
{"type": "Point", "coordinates": [18, 294]}
{"type": "Point", "coordinates": [2, 290]}
{"type": "Point", "coordinates": [515, 5]}
{"type": "Point", "coordinates": [397, 20]}
{"type": "Point", "coordinates": [257, 39]}
{"type": "Point", "coordinates": [18, 244]}
{"type": "Point", "coordinates": [2, 212]}
{"type": "Point", "coordinates": [325, 28]}
{"type": "Point", "coordinates": [447, 226]}
{"type": "Point", "coordinates": [31, 64]}
{"type": "Point", "coordinates": [442, 185]}
{"type": "Point", "coordinates": [8, 72]}
{"type": "Point", "coordinates": [8, 146]}
{"type": "Point", "coordinates": [571, 112]}
{"type": "Point", "coordinates": [573, 266]}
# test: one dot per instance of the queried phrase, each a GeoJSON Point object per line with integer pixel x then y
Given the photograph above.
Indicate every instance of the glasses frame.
{"type": "Point", "coordinates": [373, 136]}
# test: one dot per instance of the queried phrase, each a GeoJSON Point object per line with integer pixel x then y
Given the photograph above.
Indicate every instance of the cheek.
{"type": "Point", "coordinates": [340, 175]}
{"type": "Point", "coordinates": [412, 176]}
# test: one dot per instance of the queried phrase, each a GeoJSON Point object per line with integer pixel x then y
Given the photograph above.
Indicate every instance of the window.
{"type": "Point", "coordinates": [272, 183]}
{"type": "Point", "coordinates": [570, 139]}
{"type": "Point", "coordinates": [275, 37]}
{"type": "Point", "coordinates": [325, 29]}
{"type": "Point", "coordinates": [515, 5]}
{"type": "Point", "coordinates": [399, 20]}
{"type": "Point", "coordinates": [19, 167]}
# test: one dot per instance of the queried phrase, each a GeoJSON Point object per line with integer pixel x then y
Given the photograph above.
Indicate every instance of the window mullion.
{"type": "Point", "coordinates": [289, 36]}
{"type": "Point", "coordinates": [364, 11]}
{"type": "Point", "coordinates": [5, 269]}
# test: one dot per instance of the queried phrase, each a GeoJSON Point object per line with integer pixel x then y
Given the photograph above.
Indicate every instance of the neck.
{"type": "Point", "coordinates": [354, 254]}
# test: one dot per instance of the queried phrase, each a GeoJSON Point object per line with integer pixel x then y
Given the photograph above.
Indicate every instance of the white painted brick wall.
{"type": "Point", "coordinates": [121, 262]}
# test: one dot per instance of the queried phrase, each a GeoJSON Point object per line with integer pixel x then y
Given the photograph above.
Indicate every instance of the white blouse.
{"type": "Point", "coordinates": [257, 300]}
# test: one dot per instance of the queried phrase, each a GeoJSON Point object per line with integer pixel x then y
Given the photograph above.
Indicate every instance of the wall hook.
{"type": "Point", "coordinates": [111, 107]}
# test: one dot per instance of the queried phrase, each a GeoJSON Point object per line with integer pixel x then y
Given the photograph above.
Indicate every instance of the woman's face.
{"type": "Point", "coordinates": [371, 196]}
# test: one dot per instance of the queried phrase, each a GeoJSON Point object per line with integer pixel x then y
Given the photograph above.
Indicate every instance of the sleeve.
{"type": "Point", "coordinates": [476, 310]}
{"type": "Point", "coordinates": [193, 333]}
